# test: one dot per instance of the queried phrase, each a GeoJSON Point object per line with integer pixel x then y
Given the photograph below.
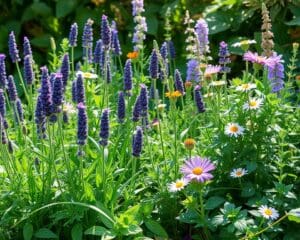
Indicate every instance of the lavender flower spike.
{"type": "Point", "coordinates": [105, 32]}
{"type": "Point", "coordinates": [28, 70]}
{"type": "Point", "coordinates": [57, 95]}
{"type": "Point", "coordinates": [3, 108]}
{"type": "Point", "coordinates": [108, 73]}
{"type": "Point", "coordinates": [11, 88]}
{"type": "Point", "coordinates": [153, 67]}
{"type": "Point", "coordinates": [98, 52]}
{"type": "Point", "coordinates": [275, 69]}
{"type": "Point", "coordinates": [87, 40]}
{"type": "Point", "coordinates": [73, 35]}
{"type": "Point", "coordinates": [193, 71]}
{"type": "Point", "coordinates": [40, 118]}
{"type": "Point", "coordinates": [137, 7]}
{"type": "Point", "coordinates": [74, 91]}
{"type": "Point", "coordinates": [82, 127]}
{"type": "Point", "coordinates": [128, 76]}
{"type": "Point", "coordinates": [65, 69]}
{"type": "Point", "coordinates": [171, 49]}
{"type": "Point", "coordinates": [198, 99]}
{"type": "Point", "coordinates": [144, 100]}
{"type": "Point", "coordinates": [2, 132]}
{"type": "Point", "coordinates": [80, 92]}
{"type": "Point", "coordinates": [164, 50]}
{"type": "Point", "coordinates": [137, 142]}
{"type": "Point", "coordinates": [12, 47]}
{"type": "Point", "coordinates": [224, 57]}
{"type": "Point", "coordinates": [121, 107]}
{"type": "Point", "coordinates": [46, 94]}
{"type": "Point", "coordinates": [19, 111]}
{"type": "Point", "coordinates": [26, 47]}
{"type": "Point", "coordinates": [201, 29]}
{"type": "Point", "coordinates": [104, 128]}
{"type": "Point", "coordinates": [178, 82]}
{"type": "Point", "coordinates": [3, 77]}
{"type": "Point", "coordinates": [116, 47]}
{"type": "Point", "coordinates": [137, 109]}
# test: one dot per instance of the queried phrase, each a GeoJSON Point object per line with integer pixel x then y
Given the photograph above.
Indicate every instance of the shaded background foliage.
{"type": "Point", "coordinates": [229, 20]}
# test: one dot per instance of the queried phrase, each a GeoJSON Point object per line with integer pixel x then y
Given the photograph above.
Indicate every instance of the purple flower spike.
{"type": "Point", "coordinates": [153, 68]}
{"type": "Point", "coordinates": [198, 99]}
{"type": "Point", "coordinates": [137, 7]}
{"type": "Point", "coordinates": [40, 118]}
{"type": "Point", "coordinates": [128, 76]}
{"type": "Point", "coordinates": [108, 73]}
{"type": "Point", "coordinates": [98, 52]}
{"type": "Point", "coordinates": [82, 128]}
{"type": "Point", "coordinates": [193, 71]}
{"type": "Point", "coordinates": [46, 93]}
{"type": "Point", "coordinates": [121, 107]}
{"type": "Point", "coordinates": [137, 142]}
{"type": "Point", "coordinates": [11, 88]}
{"type": "Point", "coordinates": [3, 77]}
{"type": "Point", "coordinates": [201, 29]}
{"type": "Point", "coordinates": [57, 94]}
{"type": "Point", "coordinates": [65, 69]}
{"type": "Point", "coordinates": [74, 91]}
{"type": "Point", "coordinates": [28, 70]}
{"type": "Point", "coordinates": [105, 32]}
{"type": "Point", "coordinates": [104, 128]}
{"type": "Point", "coordinates": [164, 50]}
{"type": "Point", "coordinates": [144, 100]}
{"type": "Point", "coordinates": [275, 69]}
{"type": "Point", "coordinates": [3, 108]}
{"type": "Point", "coordinates": [178, 82]}
{"type": "Point", "coordinates": [26, 47]}
{"type": "Point", "coordinates": [3, 135]}
{"type": "Point", "coordinates": [80, 92]}
{"type": "Point", "coordinates": [87, 40]}
{"type": "Point", "coordinates": [224, 57]}
{"type": "Point", "coordinates": [171, 49]}
{"type": "Point", "coordinates": [12, 47]}
{"type": "Point", "coordinates": [73, 35]}
{"type": "Point", "coordinates": [116, 47]}
{"type": "Point", "coordinates": [198, 169]}
{"type": "Point", "coordinates": [19, 116]}
{"type": "Point", "coordinates": [137, 109]}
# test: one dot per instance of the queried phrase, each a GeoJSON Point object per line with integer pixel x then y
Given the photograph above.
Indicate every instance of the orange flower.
{"type": "Point", "coordinates": [173, 95]}
{"type": "Point", "coordinates": [188, 84]}
{"type": "Point", "coordinates": [132, 55]}
{"type": "Point", "coordinates": [189, 143]}
{"type": "Point", "coordinates": [298, 78]}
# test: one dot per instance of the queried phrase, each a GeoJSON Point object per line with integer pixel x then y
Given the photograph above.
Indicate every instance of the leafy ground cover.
{"type": "Point", "coordinates": [101, 149]}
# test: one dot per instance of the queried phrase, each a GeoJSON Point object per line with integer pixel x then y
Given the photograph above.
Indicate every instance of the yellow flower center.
{"type": "Point", "coordinates": [246, 86]}
{"type": "Point", "coordinates": [244, 42]}
{"type": "Point", "coordinates": [233, 128]}
{"type": "Point", "coordinates": [238, 173]}
{"type": "Point", "coordinates": [253, 103]}
{"type": "Point", "coordinates": [268, 212]}
{"type": "Point", "coordinates": [197, 170]}
{"type": "Point", "coordinates": [179, 184]}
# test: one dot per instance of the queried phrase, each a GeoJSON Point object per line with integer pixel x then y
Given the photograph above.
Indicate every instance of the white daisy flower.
{"type": "Point", "coordinates": [246, 87]}
{"type": "Point", "coordinates": [253, 104]}
{"type": "Point", "coordinates": [268, 212]}
{"type": "Point", "coordinates": [238, 172]}
{"type": "Point", "coordinates": [234, 129]}
{"type": "Point", "coordinates": [217, 83]}
{"type": "Point", "coordinates": [69, 108]}
{"type": "Point", "coordinates": [87, 75]}
{"type": "Point", "coordinates": [243, 42]}
{"type": "Point", "coordinates": [178, 185]}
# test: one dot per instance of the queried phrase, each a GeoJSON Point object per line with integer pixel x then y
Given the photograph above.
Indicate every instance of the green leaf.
{"type": "Point", "coordinates": [240, 225]}
{"type": "Point", "coordinates": [213, 202]}
{"type": "Point", "coordinates": [76, 232]}
{"type": "Point", "coordinates": [45, 233]}
{"type": "Point", "coordinates": [42, 41]}
{"type": "Point", "coordinates": [96, 231]}
{"type": "Point", "coordinates": [27, 231]}
{"type": "Point", "coordinates": [156, 228]}
{"type": "Point", "coordinates": [248, 190]}
{"type": "Point", "coordinates": [294, 215]}
{"type": "Point", "coordinates": [294, 22]}
{"type": "Point", "coordinates": [64, 7]}
{"type": "Point", "coordinates": [218, 22]}
{"type": "Point", "coordinates": [152, 24]}
{"type": "Point", "coordinates": [41, 9]}
{"type": "Point", "coordinates": [134, 229]}
{"type": "Point", "coordinates": [217, 220]}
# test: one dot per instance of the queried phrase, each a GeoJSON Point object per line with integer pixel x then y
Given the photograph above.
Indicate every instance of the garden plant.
{"type": "Point", "coordinates": [101, 148]}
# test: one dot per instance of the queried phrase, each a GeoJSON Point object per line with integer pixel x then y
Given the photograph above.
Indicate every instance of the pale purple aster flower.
{"type": "Point", "coordinates": [3, 77]}
{"type": "Point", "coordinates": [254, 58]}
{"type": "Point", "coordinates": [211, 69]}
{"type": "Point", "coordinates": [193, 71]}
{"type": "Point", "coordinates": [201, 30]}
{"type": "Point", "coordinates": [12, 47]}
{"type": "Point", "coordinates": [275, 69]}
{"type": "Point", "coordinates": [268, 212]}
{"type": "Point", "coordinates": [198, 169]}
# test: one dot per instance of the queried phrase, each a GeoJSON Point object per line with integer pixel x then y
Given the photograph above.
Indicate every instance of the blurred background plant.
{"type": "Point", "coordinates": [227, 19]}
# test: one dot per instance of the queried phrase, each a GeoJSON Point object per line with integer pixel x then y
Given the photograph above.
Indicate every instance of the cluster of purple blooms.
{"type": "Point", "coordinates": [141, 25]}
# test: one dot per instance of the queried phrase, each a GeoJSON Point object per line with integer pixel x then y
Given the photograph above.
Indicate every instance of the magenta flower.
{"type": "Point", "coordinates": [198, 169]}
{"type": "Point", "coordinates": [254, 58]}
